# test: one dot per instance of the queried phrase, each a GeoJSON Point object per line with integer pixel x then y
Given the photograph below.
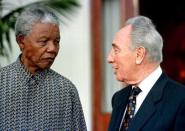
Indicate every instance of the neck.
{"type": "Point", "coordinates": [149, 69]}
{"type": "Point", "coordinates": [142, 72]}
{"type": "Point", "coordinates": [32, 69]}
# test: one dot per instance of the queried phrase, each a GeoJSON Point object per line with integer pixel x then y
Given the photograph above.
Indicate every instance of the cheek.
{"type": "Point", "coordinates": [34, 54]}
{"type": "Point", "coordinates": [123, 64]}
{"type": "Point", "coordinates": [28, 52]}
{"type": "Point", "coordinates": [57, 49]}
{"type": "Point", "coordinates": [120, 60]}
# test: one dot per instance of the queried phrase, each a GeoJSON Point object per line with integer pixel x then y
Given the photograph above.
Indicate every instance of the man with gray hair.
{"type": "Point", "coordinates": [33, 96]}
{"type": "Point", "coordinates": [151, 101]}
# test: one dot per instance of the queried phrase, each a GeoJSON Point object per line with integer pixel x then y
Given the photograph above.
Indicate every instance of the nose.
{"type": "Point", "coordinates": [52, 47]}
{"type": "Point", "coordinates": [110, 57]}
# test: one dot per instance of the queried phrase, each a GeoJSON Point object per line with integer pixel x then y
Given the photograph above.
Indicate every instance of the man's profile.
{"type": "Point", "coordinates": [151, 101]}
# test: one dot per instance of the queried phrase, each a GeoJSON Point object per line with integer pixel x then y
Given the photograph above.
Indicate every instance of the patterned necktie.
{"type": "Point", "coordinates": [130, 108]}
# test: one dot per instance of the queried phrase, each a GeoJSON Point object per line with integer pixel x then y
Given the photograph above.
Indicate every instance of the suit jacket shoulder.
{"type": "Point", "coordinates": [162, 110]}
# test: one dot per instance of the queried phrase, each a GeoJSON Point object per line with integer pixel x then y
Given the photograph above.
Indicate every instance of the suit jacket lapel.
{"type": "Point", "coordinates": [119, 104]}
{"type": "Point", "coordinates": [148, 107]}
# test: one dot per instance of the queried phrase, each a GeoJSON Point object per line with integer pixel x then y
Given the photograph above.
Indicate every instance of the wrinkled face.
{"type": "Point", "coordinates": [121, 57]}
{"type": "Point", "coordinates": [40, 47]}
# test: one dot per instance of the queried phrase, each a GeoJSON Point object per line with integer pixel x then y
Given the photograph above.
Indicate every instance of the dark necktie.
{"type": "Point", "coordinates": [129, 114]}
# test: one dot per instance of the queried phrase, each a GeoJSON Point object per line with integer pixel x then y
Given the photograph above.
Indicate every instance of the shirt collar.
{"type": "Point", "coordinates": [150, 80]}
{"type": "Point", "coordinates": [25, 75]}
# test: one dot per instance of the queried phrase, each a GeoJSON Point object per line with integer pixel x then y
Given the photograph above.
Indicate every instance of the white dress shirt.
{"type": "Point", "coordinates": [146, 86]}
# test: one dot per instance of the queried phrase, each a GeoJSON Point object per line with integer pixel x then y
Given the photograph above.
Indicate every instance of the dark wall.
{"type": "Point", "coordinates": [169, 18]}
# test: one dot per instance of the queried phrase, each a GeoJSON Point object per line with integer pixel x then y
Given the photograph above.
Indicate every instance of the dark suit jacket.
{"type": "Point", "coordinates": [162, 110]}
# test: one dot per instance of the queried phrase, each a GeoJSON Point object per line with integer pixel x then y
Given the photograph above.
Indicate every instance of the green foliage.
{"type": "Point", "coordinates": [7, 22]}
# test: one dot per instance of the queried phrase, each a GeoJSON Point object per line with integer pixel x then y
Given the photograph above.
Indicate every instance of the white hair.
{"type": "Point", "coordinates": [145, 34]}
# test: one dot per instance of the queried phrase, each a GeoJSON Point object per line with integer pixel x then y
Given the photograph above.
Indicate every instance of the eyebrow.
{"type": "Point", "coordinates": [114, 45]}
{"type": "Point", "coordinates": [46, 37]}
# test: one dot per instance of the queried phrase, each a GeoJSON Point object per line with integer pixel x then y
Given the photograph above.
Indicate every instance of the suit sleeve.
{"type": "Point", "coordinates": [113, 99]}
{"type": "Point", "coordinates": [180, 120]}
{"type": "Point", "coordinates": [113, 117]}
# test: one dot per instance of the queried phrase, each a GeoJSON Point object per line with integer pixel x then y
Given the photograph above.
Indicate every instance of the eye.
{"type": "Point", "coordinates": [116, 50]}
{"type": "Point", "coordinates": [56, 42]}
{"type": "Point", "coordinates": [43, 42]}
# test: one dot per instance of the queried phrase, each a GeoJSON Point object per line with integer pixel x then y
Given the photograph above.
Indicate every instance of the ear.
{"type": "Point", "coordinates": [20, 41]}
{"type": "Point", "coordinates": [140, 54]}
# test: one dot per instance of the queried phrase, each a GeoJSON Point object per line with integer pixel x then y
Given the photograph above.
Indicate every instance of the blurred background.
{"type": "Point", "coordinates": [87, 30]}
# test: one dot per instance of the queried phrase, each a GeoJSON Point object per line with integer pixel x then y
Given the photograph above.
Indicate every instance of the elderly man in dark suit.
{"type": "Point", "coordinates": [151, 101]}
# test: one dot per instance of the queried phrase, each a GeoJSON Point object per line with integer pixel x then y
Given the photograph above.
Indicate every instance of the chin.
{"type": "Point", "coordinates": [45, 67]}
{"type": "Point", "coordinates": [119, 79]}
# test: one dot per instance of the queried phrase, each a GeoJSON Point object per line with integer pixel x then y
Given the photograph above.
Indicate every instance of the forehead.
{"type": "Point", "coordinates": [123, 35]}
{"type": "Point", "coordinates": [42, 28]}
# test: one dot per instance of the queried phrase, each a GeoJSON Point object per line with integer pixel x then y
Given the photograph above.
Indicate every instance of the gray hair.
{"type": "Point", "coordinates": [145, 34]}
{"type": "Point", "coordinates": [33, 15]}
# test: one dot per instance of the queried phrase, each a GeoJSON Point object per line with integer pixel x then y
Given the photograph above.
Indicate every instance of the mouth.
{"type": "Point", "coordinates": [114, 70]}
{"type": "Point", "coordinates": [49, 59]}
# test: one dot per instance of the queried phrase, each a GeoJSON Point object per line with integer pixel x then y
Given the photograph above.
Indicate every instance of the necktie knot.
{"type": "Point", "coordinates": [135, 91]}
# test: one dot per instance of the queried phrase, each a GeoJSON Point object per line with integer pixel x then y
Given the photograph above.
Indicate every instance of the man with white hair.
{"type": "Point", "coordinates": [151, 101]}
